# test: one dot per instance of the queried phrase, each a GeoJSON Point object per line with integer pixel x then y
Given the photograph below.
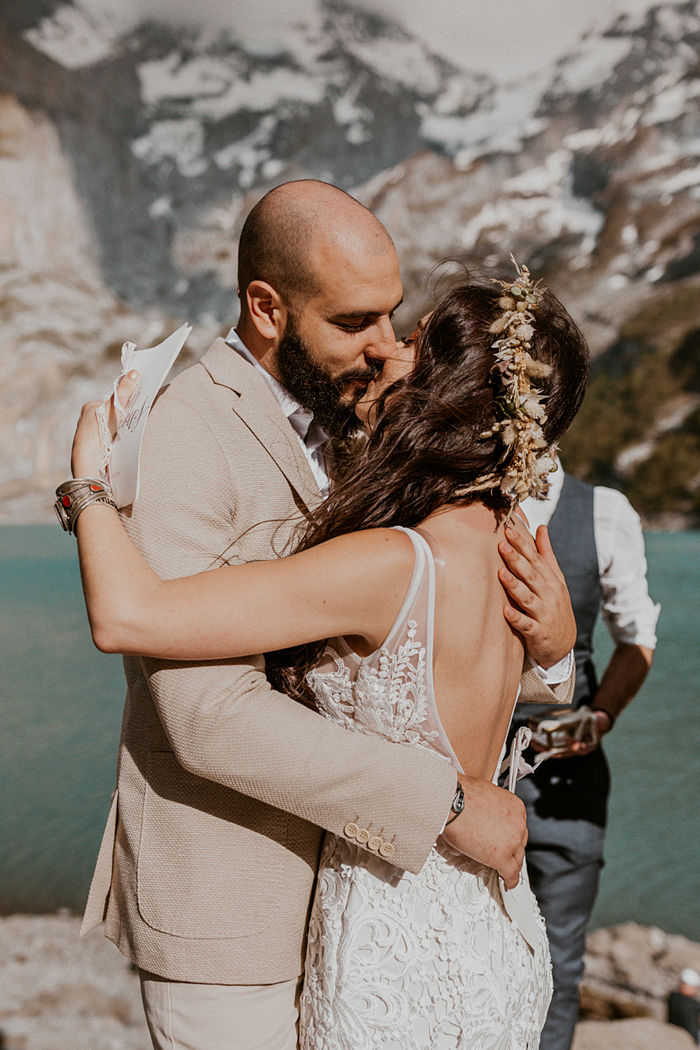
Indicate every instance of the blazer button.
{"type": "Point", "coordinates": [387, 849]}
{"type": "Point", "coordinates": [374, 843]}
{"type": "Point", "coordinates": [351, 829]}
{"type": "Point", "coordinates": [362, 836]}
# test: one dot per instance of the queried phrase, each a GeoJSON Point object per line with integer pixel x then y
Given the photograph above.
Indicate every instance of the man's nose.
{"type": "Point", "coordinates": [383, 345]}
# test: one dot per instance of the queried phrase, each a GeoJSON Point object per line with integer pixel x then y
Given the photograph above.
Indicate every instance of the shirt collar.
{"type": "Point", "coordinates": [300, 418]}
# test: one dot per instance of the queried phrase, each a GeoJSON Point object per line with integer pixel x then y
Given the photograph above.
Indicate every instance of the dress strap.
{"type": "Point", "coordinates": [417, 619]}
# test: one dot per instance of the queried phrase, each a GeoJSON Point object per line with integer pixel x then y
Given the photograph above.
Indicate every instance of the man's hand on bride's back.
{"type": "Point", "coordinates": [491, 829]}
{"type": "Point", "coordinates": [539, 604]}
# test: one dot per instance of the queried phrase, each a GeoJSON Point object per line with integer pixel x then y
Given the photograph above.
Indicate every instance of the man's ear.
{"type": "Point", "coordinates": [266, 310]}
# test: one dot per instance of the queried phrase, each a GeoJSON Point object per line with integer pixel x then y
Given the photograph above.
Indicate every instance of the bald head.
{"type": "Point", "coordinates": [292, 233]}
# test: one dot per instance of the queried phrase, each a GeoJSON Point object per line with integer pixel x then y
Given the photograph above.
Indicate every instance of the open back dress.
{"type": "Point", "coordinates": [431, 961]}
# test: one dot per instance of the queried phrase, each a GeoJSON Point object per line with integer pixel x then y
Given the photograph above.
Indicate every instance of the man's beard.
{"type": "Point", "coordinates": [313, 387]}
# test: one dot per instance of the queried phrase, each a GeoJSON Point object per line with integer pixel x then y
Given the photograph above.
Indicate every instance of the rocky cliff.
{"type": "Point", "coordinates": [127, 164]}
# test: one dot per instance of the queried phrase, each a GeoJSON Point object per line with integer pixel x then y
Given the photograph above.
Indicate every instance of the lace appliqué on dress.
{"type": "Point", "coordinates": [387, 695]}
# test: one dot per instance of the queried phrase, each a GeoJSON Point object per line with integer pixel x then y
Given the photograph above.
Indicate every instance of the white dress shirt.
{"type": "Point", "coordinates": [628, 612]}
{"type": "Point", "coordinates": [312, 437]}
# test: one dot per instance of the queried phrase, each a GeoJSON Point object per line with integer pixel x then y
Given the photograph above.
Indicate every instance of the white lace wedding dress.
{"type": "Point", "coordinates": [413, 962]}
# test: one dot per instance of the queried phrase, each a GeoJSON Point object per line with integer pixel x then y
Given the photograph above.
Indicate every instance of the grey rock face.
{"type": "Point", "coordinates": [128, 163]}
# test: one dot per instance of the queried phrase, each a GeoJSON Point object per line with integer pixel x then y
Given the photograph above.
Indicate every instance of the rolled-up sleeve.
{"type": "Point", "coordinates": [628, 611]}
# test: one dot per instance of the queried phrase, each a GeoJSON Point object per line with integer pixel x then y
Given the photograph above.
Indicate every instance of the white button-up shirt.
{"type": "Point", "coordinates": [312, 437]}
{"type": "Point", "coordinates": [628, 612]}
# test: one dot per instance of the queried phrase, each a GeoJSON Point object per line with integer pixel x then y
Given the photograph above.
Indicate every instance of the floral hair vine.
{"type": "Point", "coordinates": [519, 403]}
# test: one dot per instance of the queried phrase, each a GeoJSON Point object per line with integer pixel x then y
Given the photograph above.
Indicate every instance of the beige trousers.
{"type": "Point", "coordinates": [184, 1016]}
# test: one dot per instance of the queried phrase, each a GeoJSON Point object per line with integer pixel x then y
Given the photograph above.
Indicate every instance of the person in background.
{"type": "Point", "coordinates": [683, 1004]}
{"type": "Point", "coordinates": [597, 538]}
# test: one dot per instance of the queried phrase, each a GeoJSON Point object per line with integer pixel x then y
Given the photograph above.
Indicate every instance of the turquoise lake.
{"type": "Point", "coordinates": [61, 710]}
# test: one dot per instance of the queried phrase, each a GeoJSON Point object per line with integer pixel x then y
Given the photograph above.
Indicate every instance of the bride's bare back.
{"type": "Point", "coordinates": [478, 658]}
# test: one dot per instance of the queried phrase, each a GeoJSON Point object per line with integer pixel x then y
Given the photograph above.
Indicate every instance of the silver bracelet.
{"type": "Point", "coordinates": [72, 497]}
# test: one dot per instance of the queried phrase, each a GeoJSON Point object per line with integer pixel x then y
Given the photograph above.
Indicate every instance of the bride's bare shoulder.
{"type": "Point", "coordinates": [379, 549]}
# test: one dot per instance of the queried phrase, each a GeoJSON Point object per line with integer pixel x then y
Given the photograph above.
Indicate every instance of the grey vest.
{"type": "Point", "coordinates": [572, 534]}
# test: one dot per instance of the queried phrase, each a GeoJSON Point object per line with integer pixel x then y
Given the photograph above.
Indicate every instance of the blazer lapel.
{"type": "Point", "coordinates": [261, 412]}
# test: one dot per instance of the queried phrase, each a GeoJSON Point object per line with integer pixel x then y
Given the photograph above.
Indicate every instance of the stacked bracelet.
{"type": "Point", "coordinates": [72, 497]}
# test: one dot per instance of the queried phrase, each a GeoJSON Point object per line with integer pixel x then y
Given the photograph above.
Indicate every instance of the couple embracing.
{"type": "Point", "coordinates": [393, 657]}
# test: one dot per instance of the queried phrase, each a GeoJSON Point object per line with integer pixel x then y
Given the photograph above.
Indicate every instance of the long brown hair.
{"type": "Point", "coordinates": [428, 438]}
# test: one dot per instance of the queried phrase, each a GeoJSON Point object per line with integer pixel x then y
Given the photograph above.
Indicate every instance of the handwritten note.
{"type": "Point", "coordinates": [153, 366]}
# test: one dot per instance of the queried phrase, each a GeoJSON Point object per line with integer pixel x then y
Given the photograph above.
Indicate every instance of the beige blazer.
{"type": "Point", "coordinates": [207, 863]}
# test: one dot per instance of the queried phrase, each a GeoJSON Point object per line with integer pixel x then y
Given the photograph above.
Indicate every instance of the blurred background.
{"type": "Point", "coordinates": [135, 137]}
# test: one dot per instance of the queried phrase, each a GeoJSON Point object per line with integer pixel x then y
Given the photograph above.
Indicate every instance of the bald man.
{"type": "Point", "coordinates": [225, 785]}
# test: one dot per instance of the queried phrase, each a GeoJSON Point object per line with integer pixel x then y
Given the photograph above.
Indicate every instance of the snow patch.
{"type": "Point", "coordinates": [218, 88]}
{"type": "Point", "coordinates": [181, 141]}
{"type": "Point", "coordinates": [629, 234]}
{"type": "Point", "coordinates": [498, 125]}
{"type": "Point", "coordinates": [542, 179]}
{"type": "Point", "coordinates": [671, 102]}
{"type": "Point", "coordinates": [548, 217]}
{"type": "Point", "coordinates": [250, 153]}
{"type": "Point", "coordinates": [159, 207]}
{"type": "Point", "coordinates": [404, 61]}
{"type": "Point", "coordinates": [682, 180]}
{"type": "Point", "coordinates": [587, 138]}
{"type": "Point", "coordinates": [271, 168]}
{"type": "Point", "coordinates": [263, 92]}
{"type": "Point", "coordinates": [73, 38]}
{"type": "Point", "coordinates": [591, 65]}
{"type": "Point", "coordinates": [171, 78]}
{"type": "Point", "coordinates": [654, 274]}
{"type": "Point", "coordinates": [355, 118]}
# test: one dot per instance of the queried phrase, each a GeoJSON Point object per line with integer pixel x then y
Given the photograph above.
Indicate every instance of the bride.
{"type": "Point", "coordinates": [386, 618]}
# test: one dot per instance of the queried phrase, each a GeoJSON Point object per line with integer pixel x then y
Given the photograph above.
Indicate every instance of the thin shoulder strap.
{"type": "Point", "coordinates": [417, 618]}
{"type": "Point", "coordinates": [419, 602]}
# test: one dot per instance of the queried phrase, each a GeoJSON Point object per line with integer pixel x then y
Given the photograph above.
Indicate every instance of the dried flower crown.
{"type": "Point", "coordinates": [519, 403]}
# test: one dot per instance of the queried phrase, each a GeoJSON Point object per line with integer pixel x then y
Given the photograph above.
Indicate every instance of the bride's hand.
{"type": "Point", "coordinates": [88, 455]}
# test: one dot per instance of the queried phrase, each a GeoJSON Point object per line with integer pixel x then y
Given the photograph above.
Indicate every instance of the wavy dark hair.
{"type": "Point", "coordinates": [428, 440]}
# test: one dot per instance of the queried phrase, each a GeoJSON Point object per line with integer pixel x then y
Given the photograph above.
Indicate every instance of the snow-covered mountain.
{"type": "Point", "coordinates": [129, 158]}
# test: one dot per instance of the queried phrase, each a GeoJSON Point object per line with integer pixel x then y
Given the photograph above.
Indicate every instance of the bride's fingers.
{"type": "Point", "coordinates": [86, 454]}
{"type": "Point", "coordinates": [87, 412]}
{"type": "Point", "coordinates": [126, 388]}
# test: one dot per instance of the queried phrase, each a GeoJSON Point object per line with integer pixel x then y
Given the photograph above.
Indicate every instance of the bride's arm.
{"type": "Point", "coordinates": [236, 610]}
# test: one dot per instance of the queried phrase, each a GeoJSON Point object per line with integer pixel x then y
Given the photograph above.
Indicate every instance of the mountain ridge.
{"type": "Point", "coordinates": [160, 139]}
